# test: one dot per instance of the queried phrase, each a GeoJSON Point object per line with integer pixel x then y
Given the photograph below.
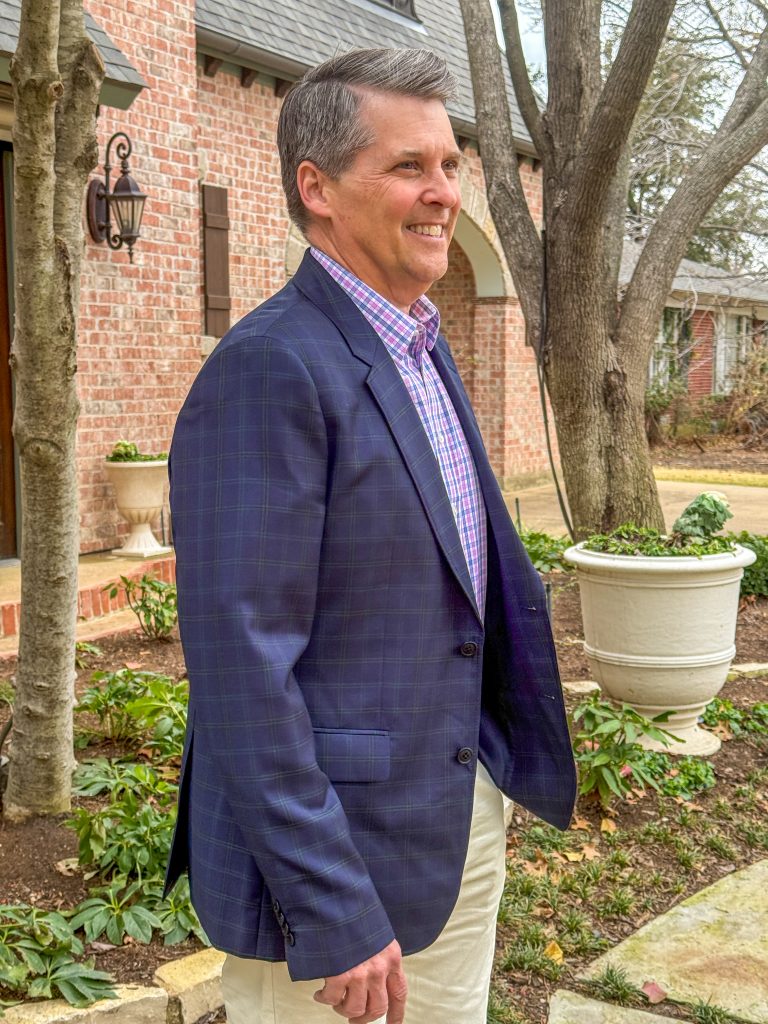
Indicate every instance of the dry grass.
{"type": "Point", "coordinates": [724, 477]}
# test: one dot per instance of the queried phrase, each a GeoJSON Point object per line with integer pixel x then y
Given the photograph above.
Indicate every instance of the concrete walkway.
{"type": "Point", "coordinates": [539, 509]}
{"type": "Point", "coordinates": [711, 948]}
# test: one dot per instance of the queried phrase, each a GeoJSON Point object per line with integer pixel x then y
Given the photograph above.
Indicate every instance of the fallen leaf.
{"type": "Point", "coordinates": [536, 870]}
{"type": "Point", "coordinates": [653, 993]}
{"type": "Point", "coordinates": [553, 952]}
{"type": "Point", "coordinates": [590, 852]}
{"type": "Point", "coordinates": [69, 866]}
{"type": "Point", "coordinates": [722, 731]}
{"type": "Point", "coordinates": [574, 856]}
{"type": "Point", "coordinates": [133, 665]}
{"type": "Point", "coordinates": [102, 947]}
{"type": "Point", "coordinates": [581, 823]}
{"type": "Point", "coordinates": [607, 825]}
{"type": "Point", "coordinates": [544, 912]}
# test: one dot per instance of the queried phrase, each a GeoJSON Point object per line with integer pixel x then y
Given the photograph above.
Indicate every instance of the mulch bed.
{"type": "Point", "coordinates": [713, 452]}
{"type": "Point", "coordinates": [31, 853]}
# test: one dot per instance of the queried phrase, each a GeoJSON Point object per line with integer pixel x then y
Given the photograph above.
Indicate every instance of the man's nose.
{"type": "Point", "coordinates": [443, 190]}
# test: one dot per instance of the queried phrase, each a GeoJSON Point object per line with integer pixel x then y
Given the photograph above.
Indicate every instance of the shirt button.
{"type": "Point", "coordinates": [465, 755]}
{"type": "Point", "coordinates": [469, 649]}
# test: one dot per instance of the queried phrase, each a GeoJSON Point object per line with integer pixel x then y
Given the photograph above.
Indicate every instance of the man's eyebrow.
{"type": "Point", "coordinates": [410, 154]}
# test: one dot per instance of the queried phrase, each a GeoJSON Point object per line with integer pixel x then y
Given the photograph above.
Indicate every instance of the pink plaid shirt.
{"type": "Point", "coordinates": [409, 339]}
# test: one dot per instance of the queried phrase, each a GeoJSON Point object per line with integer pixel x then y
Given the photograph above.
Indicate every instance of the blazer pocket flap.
{"type": "Point", "coordinates": [353, 755]}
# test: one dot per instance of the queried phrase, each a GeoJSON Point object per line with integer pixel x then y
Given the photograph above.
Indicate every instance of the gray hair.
{"type": "Point", "coordinates": [320, 118]}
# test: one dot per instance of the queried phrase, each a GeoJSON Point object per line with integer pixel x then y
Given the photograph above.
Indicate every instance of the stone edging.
{"type": "Point", "coordinates": [186, 990]}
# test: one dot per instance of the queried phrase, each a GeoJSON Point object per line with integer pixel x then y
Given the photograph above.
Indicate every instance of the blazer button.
{"type": "Point", "coordinates": [469, 649]}
{"type": "Point", "coordinates": [465, 755]}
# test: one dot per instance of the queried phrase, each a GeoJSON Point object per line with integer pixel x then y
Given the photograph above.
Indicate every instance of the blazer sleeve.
{"type": "Point", "coordinates": [249, 468]}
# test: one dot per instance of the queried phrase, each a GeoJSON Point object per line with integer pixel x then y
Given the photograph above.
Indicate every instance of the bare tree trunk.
{"type": "Point", "coordinates": [54, 150]}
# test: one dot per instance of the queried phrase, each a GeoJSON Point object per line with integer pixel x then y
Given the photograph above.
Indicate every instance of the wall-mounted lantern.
{"type": "Point", "coordinates": [124, 205]}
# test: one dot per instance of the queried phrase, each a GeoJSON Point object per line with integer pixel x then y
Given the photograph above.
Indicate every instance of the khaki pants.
{"type": "Point", "coordinates": [447, 982]}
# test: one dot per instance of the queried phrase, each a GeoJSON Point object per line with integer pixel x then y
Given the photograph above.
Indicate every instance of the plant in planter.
{"type": "Point", "coordinates": [660, 616]}
{"type": "Point", "coordinates": [139, 482]}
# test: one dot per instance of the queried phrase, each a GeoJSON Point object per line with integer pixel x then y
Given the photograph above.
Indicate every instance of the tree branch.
{"type": "Point", "coordinates": [612, 121]}
{"type": "Point", "coordinates": [752, 88]}
{"type": "Point", "coordinates": [518, 234]}
{"type": "Point", "coordinates": [738, 50]}
{"type": "Point", "coordinates": [669, 236]}
{"type": "Point", "coordinates": [526, 98]}
{"type": "Point", "coordinates": [572, 36]}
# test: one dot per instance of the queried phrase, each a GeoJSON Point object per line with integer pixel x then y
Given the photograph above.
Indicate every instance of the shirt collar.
{"type": "Point", "coordinates": [403, 333]}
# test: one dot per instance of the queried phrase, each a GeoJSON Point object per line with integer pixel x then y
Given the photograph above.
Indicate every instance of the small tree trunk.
{"type": "Point", "coordinates": [47, 258]}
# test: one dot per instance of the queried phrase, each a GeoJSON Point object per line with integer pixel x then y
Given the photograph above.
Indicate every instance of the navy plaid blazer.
{"type": "Point", "coordinates": [342, 683]}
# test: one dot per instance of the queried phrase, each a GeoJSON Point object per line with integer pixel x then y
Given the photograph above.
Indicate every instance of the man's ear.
{"type": "Point", "coordinates": [313, 185]}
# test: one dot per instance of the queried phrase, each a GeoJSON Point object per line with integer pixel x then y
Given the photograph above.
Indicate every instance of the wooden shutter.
{"type": "Point", "coordinates": [216, 260]}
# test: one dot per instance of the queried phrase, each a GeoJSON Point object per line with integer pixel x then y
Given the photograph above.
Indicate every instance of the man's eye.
{"type": "Point", "coordinates": [451, 165]}
{"type": "Point", "coordinates": [408, 164]}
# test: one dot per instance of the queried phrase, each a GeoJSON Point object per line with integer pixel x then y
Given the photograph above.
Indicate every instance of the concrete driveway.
{"type": "Point", "coordinates": [539, 508]}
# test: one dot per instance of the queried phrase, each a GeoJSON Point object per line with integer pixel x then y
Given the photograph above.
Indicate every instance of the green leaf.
{"type": "Point", "coordinates": [39, 988]}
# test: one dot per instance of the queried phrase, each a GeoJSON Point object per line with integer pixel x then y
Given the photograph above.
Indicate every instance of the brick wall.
{"type": "Point", "coordinates": [140, 324]}
{"type": "Point", "coordinates": [236, 139]}
{"type": "Point", "coordinates": [454, 296]}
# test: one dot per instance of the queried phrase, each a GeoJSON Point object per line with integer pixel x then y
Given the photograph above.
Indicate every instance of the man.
{"type": "Point", "coordinates": [368, 647]}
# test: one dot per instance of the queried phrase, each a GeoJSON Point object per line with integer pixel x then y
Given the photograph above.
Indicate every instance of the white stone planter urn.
{"type": "Point", "coordinates": [139, 490]}
{"type": "Point", "coordinates": [659, 633]}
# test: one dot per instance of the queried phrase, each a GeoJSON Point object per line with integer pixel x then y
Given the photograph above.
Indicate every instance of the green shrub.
{"type": "Point", "coordinates": [127, 451]}
{"type": "Point", "coordinates": [108, 700]}
{"type": "Point", "coordinates": [750, 720]}
{"type": "Point", "coordinates": [37, 958]}
{"type": "Point", "coordinates": [693, 533]}
{"type": "Point", "coordinates": [152, 601]}
{"type": "Point", "coordinates": [679, 776]}
{"type": "Point", "coordinates": [144, 708]}
{"type": "Point", "coordinates": [545, 551]}
{"type": "Point", "coordinates": [755, 578]}
{"type": "Point", "coordinates": [610, 760]}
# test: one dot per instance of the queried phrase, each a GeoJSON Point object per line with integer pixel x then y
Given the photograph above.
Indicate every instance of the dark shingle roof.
{"type": "Point", "coordinates": [122, 81]}
{"type": "Point", "coordinates": [289, 36]}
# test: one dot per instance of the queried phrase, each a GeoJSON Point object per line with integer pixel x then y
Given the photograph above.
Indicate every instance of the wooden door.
{"type": "Point", "coordinates": [7, 474]}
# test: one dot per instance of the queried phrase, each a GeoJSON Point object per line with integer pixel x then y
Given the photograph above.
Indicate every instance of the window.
{"type": "Point", "coordinates": [672, 349]}
{"type": "Point", "coordinates": [405, 7]}
{"type": "Point", "coordinates": [733, 333]}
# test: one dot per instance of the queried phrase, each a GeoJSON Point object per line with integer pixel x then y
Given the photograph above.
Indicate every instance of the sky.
{"type": "Point", "coordinates": [532, 36]}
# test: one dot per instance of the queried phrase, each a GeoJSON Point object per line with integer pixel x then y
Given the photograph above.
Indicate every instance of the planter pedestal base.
{"type": "Point", "coordinates": [141, 543]}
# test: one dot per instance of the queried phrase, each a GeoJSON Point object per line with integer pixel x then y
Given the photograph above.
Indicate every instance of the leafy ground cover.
{"type": "Point", "coordinates": [568, 897]}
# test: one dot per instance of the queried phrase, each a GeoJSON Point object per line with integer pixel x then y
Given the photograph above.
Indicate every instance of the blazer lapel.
{"type": "Point", "coordinates": [403, 420]}
{"type": "Point", "coordinates": [495, 505]}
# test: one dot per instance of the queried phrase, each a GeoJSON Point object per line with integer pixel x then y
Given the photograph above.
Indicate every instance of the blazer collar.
{"type": "Point", "coordinates": [402, 417]}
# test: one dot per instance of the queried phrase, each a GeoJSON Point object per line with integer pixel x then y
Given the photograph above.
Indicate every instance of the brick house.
{"type": "Point", "coordinates": [712, 319]}
{"type": "Point", "coordinates": [197, 87]}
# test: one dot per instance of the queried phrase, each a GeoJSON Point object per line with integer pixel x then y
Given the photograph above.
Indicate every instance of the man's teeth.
{"type": "Point", "coordinates": [436, 230]}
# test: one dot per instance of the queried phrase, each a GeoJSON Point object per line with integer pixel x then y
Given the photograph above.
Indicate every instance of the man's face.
{"type": "Point", "coordinates": [390, 218]}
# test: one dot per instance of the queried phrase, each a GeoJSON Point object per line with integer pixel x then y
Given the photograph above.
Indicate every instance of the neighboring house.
{"type": "Point", "coordinates": [712, 320]}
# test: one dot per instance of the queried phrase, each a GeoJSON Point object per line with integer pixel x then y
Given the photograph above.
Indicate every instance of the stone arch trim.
{"type": "Point", "coordinates": [475, 233]}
